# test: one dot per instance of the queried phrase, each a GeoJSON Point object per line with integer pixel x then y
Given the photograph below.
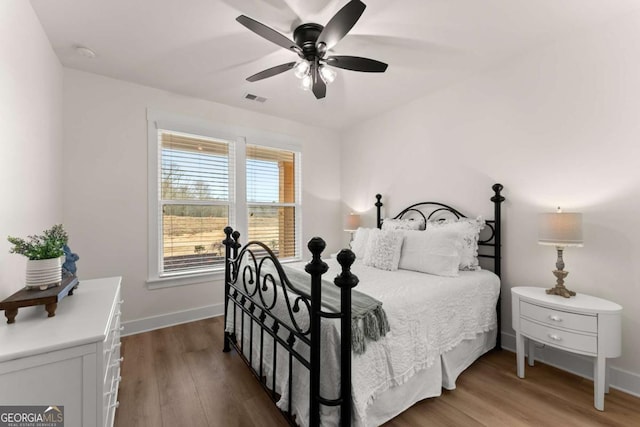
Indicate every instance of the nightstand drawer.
{"type": "Point", "coordinates": [560, 338]}
{"type": "Point", "coordinates": [559, 319]}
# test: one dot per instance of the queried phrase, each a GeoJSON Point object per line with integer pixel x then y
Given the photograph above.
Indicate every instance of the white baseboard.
{"type": "Point", "coordinates": [137, 326]}
{"type": "Point", "coordinates": [628, 382]}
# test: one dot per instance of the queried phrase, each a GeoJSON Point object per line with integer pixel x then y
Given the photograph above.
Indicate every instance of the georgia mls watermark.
{"type": "Point", "coordinates": [31, 416]}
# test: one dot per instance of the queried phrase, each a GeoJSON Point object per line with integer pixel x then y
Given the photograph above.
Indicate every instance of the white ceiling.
{"type": "Point", "coordinates": [196, 48]}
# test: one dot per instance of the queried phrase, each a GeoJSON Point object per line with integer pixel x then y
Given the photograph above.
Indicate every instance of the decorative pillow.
{"type": "Point", "coordinates": [383, 249]}
{"type": "Point", "coordinates": [359, 243]}
{"type": "Point", "coordinates": [469, 230]}
{"type": "Point", "coordinates": [403, 224]}
{"type": "Point", "coordinates": [435, 251]}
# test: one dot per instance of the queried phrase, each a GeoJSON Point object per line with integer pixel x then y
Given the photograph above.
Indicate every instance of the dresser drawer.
{"type": "Point", "coordinates": [559, 338]}
{"type": "Point", "coordinates": [111, 362]}
{"type": "Point", "coordinates": [558, 318]}
{"type": "Point", "coordinates": [110, 397]}
{"type": "Point", "coordinates": [112, 343]}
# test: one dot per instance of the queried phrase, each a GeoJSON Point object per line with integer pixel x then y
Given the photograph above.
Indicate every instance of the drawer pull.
{"type": "Point", "coordinates": [555, 337]}
{"type": "Point", "coordinates": [555, 318]}
{"type": "Point", "coordinates": [113, 347]}
{"type": "Point", "coordinates": [117, 362]}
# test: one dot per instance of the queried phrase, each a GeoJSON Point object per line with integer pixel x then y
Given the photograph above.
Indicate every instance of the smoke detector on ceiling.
{"type": "Point", "coordinates": [85, 51]}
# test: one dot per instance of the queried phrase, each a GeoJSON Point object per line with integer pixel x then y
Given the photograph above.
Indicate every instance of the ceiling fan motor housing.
{"type": "Point", "coordinates": [306, 36]}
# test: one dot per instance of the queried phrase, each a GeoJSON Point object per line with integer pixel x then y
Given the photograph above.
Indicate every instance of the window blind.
{"type": "Point", "coordinates": [195, 201]}
{"type": "Point", "coordinates": [272, 198]}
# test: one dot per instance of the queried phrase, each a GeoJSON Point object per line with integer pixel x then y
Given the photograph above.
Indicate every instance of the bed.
{"type": "Point", "coordinates": [363, 347]}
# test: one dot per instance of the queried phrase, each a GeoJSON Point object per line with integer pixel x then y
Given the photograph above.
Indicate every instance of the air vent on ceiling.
{"type": "Point", "coordinates": [253, 97]}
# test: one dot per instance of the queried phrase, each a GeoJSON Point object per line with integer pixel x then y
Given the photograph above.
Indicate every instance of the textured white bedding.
{"type": "Point", "coordinates": [429, 315]}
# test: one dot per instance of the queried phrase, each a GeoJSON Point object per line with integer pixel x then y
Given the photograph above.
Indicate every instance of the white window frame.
{"type": "Point", "coordinates": [239, 137]}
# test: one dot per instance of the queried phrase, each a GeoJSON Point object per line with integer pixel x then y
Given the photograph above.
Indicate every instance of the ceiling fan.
{"type": "Point", "coordinates": [312, 43]}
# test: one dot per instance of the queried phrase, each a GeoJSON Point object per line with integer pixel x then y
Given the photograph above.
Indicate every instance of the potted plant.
{"type": "Point", "coordinates": [45, 256]}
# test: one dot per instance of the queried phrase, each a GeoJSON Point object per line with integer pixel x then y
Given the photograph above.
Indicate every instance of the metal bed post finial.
{"type": "Point", "coordinates": [228, 243]}
{"type": "Point", "coordinates": [316, 268]}
{"type": "Point", "coordinates": [236, 243]}
{"type": "Point", "coordinates": [345, 281]}
{"type": "Point", "coordinates": [378, 211]}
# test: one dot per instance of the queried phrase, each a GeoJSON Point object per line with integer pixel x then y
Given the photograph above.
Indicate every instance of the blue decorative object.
{"type": "Point", "coordinates": [69, 266]}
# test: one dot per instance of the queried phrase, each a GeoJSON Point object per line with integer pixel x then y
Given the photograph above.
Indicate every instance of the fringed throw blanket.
{"type": "Point", "coordinates": [368, 319]}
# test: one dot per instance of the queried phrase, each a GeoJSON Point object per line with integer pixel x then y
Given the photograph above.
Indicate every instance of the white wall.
{"type": "Point", "coordinates": [557, 126]}
{"type": "Point", "coordinates": [31, 129]}
{"type": "Point", "coordinates": [106, 159]}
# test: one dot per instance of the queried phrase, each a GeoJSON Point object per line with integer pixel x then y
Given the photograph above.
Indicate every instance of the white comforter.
{"type": "Point", "coordinates": [428, 315]}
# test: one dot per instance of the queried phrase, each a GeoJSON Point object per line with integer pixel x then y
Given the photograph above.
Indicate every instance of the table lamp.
{"type": "Point", "coordinates": [560, 229]}
{"type": "Point", "coordinates": [351, 224]}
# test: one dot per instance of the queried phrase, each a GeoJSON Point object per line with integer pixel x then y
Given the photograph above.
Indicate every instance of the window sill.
{"type": "Point", "coordinates": [185, 279]}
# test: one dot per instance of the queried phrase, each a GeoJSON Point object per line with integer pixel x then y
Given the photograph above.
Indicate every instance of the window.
{"type": "Point", "coordinates": [203, 178]}
{"type": "Point", "coordinates": [195, 204]}
{"type": "Point", "coordinates": [272, 199]}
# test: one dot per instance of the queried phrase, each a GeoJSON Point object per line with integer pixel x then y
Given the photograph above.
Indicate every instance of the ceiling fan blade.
{"type": "Point", "coordinates": [268, 33]}
{"type": "Point", "coordinates": [340, 24]}
{"type": "Point", "coordinates": [355, 63]}
{"type": "Point", "coordinates": [270, 72]}
{"type": "Point", "coordinates": [319, 86]}
{"type": "Point", "coordinates": [277, 13]}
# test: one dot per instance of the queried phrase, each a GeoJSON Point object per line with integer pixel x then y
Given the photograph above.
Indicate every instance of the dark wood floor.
{"type": "Point", "coordinates": [179, 376]}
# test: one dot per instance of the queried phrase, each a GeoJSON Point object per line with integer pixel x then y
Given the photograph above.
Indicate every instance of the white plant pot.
{"type": "Point", "coordinates": [44, 273]}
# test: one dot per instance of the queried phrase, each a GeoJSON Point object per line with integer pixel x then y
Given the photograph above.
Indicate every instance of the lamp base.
{"type": "Point", "coordinates": [559, 288]}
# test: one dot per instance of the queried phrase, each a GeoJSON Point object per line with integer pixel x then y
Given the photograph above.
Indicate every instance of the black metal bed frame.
{"type": "Point", "coordinates": [246, 286]}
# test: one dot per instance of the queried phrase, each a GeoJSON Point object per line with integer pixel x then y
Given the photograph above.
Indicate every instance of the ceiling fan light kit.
{"type": "Point", "coordinates": [327, 74]}
{"type": "Point", "coordinates": [312, 43]}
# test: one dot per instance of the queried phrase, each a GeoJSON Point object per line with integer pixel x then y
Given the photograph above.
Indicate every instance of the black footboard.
{"type": "Point", "coordinates": [268, 306]}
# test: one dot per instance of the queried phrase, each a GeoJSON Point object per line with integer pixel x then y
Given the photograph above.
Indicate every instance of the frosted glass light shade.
{"type": "Point", "coordinates": [302, 68]}
{"type": "Point", "coordinates": [351, 222]}
{"type": "Point", "coordinates": [560, 229]}
{"type": "Point", "coordinates": [327, 74]}
{"type": "Point", "coordinates": [307, 82]}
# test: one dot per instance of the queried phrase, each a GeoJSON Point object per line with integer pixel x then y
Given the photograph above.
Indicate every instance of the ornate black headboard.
{"type": "Point", "coordinates": [490, 240]}
{"type": "Point", "coordinates": [490, 243]}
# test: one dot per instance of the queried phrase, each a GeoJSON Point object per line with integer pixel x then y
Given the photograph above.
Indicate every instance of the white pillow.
{"type": "Point", "coordinates": [433, 251]}
{"type": "Point", "coordinates": [359, 243]}
{"type": "Point", "coordinates": [469, 230]}
{"type": "Point", "coordinates": [403, 224]}
{"type": "Point", "coordinates": [383, 249]}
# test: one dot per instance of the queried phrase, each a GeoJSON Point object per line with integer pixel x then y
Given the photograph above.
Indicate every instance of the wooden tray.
{"type": "Point", "coordinates": [28, 297]}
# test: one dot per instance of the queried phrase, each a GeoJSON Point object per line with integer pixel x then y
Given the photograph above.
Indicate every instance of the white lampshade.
{"type": "Point", "coordinates": [351, 222]}
{"type": "Point", "coordinates": [560, 229]}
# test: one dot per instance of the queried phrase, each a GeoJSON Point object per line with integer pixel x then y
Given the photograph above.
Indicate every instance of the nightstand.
{"type": "Point", "coordinates": [582, 324]}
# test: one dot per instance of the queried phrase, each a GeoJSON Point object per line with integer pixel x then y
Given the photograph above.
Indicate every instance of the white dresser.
{"type": "Point", "coordinates": [582, 324]}
{"type": "Point", "coordinates": [72, 359]}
